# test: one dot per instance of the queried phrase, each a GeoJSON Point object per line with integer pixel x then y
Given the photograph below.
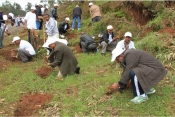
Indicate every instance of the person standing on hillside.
{"type": "Point", "coordinates": [25, 50]}
{"type": "Point", "coordinates": [3, 29]}
{"type": "Point", "coordinates": [143, 69]}
{"type": "Point", "coordinates": [30, 21]}
{"type": "Point", "coordinates": [87, 43]}
{"type": "Point", "coordinates": [39, 21]}
{"type": "Point", "coordinates": [12, 18]}
{"type": "Point", "coordinates": [126, 43]}
{"type": "Point", "coordinates": [108, 42]}
{"type": "Point", "coordinates": [95, 12]}
{"type": "Point", "coordinates": [63, 58]}
{"type": "Point", "coordinates": [76, 16]}
{"type": "Point", "coordinates": [53, 11]}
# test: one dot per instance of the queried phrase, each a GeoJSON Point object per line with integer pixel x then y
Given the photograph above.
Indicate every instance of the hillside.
{"type": "Point", "coordinates": [25, 93]}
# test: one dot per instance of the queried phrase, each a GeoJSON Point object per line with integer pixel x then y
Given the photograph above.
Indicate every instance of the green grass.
{"type": "Point", "coordinates": [84, 94]}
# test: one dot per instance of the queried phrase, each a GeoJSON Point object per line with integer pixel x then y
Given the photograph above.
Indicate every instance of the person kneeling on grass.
{"type": "Point", "coordinates": [25, 50]}
{"type": "Point", "coordinates": [63, 58]}
{"type": "Point", "coordinates": [144, 71]}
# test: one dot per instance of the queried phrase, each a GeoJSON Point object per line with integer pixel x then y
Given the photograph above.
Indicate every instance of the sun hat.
{"type": "Point", "coordinates": [128, 34]}
{"type": "Point", "coordinates": [33, 8]}
{"type": "Point", "coordinates": [15, 38]}
{"type": "Point", "coordinates": [48, 42]}
{"type": "Point", "coordinates": [90, 4]}
{"type": "Point", "coordinates": [55, 5]}
{"type": "Point", "coordinates": [67, 19]}
{"type": "Point", "coordinates": [109, 27]}
{"type": "Point", "coordinates": [116, 52]}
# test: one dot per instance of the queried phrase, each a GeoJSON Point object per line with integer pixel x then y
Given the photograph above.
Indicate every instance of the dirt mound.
{"type": "Point", "coordinates": [78, 49]}
{"type": "Point", "coordinates": [44, 71]}
{"type": "Point", "coordinates": [3, 66]}
{"type": "Point", "coordinates": [168, 30]}
{"type": "Point", "coordinates": [29, 105]}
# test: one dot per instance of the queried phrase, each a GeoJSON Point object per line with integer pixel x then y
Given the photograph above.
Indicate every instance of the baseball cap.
{"type": "Point", "coordinates": [67, 19]}
{"type": "Point", "coordinates": [32, 7]}
{"type": "Point", "coordinates": [15, 38]}
{"type": "Point", "coordinates": [128, 34]}
{"type": "Point", "coordinates": [90, 4]}
{"type": "Point", "coordinates": [109, 27]}
{"type": "Point", "coordinates": [116, 52]}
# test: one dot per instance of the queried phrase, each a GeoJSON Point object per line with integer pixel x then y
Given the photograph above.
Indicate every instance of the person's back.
{"type": "Point", "coordinates": [87, 43]}
{"type": "Point", "coordinates": [53, 11]}
{"type": "Point", "coordinates": [95, 11]}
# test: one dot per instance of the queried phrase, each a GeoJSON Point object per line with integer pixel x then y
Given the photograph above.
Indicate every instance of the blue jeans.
{"type": "Point", "coordinates": [74, 22]}
{"type": "Point", "coordinates": [38, 25]}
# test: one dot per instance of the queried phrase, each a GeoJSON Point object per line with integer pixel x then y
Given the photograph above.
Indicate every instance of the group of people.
{"type": "Point", "coordinates": [141, 68]}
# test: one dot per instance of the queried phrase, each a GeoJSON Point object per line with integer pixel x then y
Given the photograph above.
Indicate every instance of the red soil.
{"type": "Point", "coordinates": [44, 71]}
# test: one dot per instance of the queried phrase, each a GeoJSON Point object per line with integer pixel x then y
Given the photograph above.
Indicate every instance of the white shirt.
{"type": "Point", "coordinates": [42, 10]}
{"type": "Point", "coordinates": [121, 44]}
{"type": "Point", "coordinates": [110, 38]}
{"type": "Point", "coordinates": [27, 46]}
{"type": "Point", "coordinates": [31, 20]}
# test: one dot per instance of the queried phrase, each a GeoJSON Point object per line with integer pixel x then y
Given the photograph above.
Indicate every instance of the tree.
{"type": "Point", "coordinates": [28, 6]}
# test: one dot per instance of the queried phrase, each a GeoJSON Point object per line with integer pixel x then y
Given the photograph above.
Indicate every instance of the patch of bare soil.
{"type": "Point", "coordinates": [168, 30]}
{"type": "Point", "coordinates": [28, 105]}
{"type": "Point", "coordinates": [44, 71]}
{"type": "Point", "coordinates": [3, 66]}
{"type": "Point", "coordinates": [78, 49]}
{"type": "Point", "coordinates": [71, 36]}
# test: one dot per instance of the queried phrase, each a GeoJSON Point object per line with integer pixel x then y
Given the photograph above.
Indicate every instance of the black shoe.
{"type": "Point", "coordinates": [25, 61]}
{"type": "Point", "coordinates": [77, 70]}
{"type": "Point", "coordinates": [29, 58]}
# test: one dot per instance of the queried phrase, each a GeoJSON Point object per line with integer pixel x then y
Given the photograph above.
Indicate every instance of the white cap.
{"type": "Point", "coordinates": [16, 38]}
{"type": "Point", "coordinates": [32, 7]}
{"type": "Point", "coordinates": [55, 5]}
{"type": "Point", "coordinates": [11, 14]}
{"type": "Point", "coordinates": [128, 34]}
{"type": "Point", "coordinates": [90, 4]}
{"type": "Point", "coordinates": [109, 27]}
{"type": "Point", "coordinates": [48, 42]}
{"type": "Point", "coordinates": [67, 19]}
{"type": "Point", "coordinates": [116, 52]}
{"type": "Point", "coordinates": [40, 4]}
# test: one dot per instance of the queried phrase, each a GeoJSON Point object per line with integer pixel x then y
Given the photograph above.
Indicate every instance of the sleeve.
{"type": "Point", "coordinates": [58, 58]}
{"type": "Point", "coordinates": [131, 62]}
{"type": "Point", "coordinates": [52, 24]}
{"type": "Point", "coordinates": [26, 17]}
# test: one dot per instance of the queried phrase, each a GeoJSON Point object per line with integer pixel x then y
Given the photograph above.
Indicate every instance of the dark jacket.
{"type": "Point", "coordinates": [105, 37]}
{"type": "Point", "coordinates": [61, 26]}
{"type": "Point", "coordinates": [86, 39]}
{"type": "Point", "coordinates": [38, 11]}
{"type": "Point", "coordinates": [146, 67]}
{"type": "Point", "coordinates": [64, 58]}
{"type": "Point", "coordinates": [53, 13]}
{"type": "Point", "coordinates": [77, 12]}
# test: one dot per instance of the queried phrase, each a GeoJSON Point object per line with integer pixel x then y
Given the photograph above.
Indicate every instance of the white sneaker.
{"type": "Point", "coordinates": [62, 36]}
{"type": "Point", "coordinates": [139, 99]}
{"type": "Point", "coordinates": [151, 91]}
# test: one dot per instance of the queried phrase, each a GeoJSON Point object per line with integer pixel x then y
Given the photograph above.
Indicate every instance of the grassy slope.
{"type": "Point", "coordinates": [83, 94]}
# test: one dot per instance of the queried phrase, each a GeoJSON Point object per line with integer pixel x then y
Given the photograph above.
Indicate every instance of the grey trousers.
{"type": "Point", "coordinates": [109, 47]}
{"type": "Point", "coordinates": [24, 54]}
{"type": "Point", "coordinates": [90, 47]}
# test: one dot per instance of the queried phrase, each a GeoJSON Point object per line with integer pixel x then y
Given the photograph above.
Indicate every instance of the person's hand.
{"type": "Point", "coordinates": [48, 64]}
{"type": "Point", "coordinates": [47, 57]}
{"type": "Point", "coordinates": [114, 86]}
